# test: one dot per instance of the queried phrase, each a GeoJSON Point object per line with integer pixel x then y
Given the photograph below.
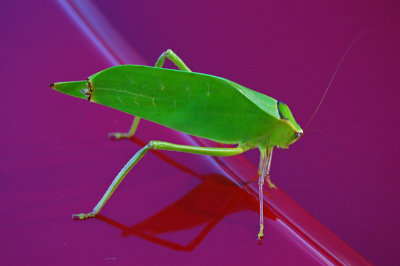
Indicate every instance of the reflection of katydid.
{"type": "Point", "coordinates": [198, 104]}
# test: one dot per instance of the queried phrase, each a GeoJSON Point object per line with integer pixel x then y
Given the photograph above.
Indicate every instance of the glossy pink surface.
{"type": "Point", "coordinates": [186, 209]}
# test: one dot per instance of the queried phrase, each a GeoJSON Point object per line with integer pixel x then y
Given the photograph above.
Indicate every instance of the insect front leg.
{"type": "Point", "coordinates": [155, 145]}
{"type": "Point", "coordinates": [264, 169]}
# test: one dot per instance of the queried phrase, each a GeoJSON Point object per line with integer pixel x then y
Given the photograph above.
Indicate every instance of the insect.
{"type": "Point", "coordinates": [197, 104]}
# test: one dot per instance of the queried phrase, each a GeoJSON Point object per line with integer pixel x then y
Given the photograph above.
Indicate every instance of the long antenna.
{"type": "Point", "coordinates": [334, 75]}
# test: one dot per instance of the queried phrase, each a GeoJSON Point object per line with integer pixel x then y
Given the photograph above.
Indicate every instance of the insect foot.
{"type": "Point", "coordinates": [261, 233]}
{"type": "Point", "coordinates": [271, 185]}
{"type": "Point", "coordinates": [117, 135]}
{"type": "Point", "coordinates": [83, 216]}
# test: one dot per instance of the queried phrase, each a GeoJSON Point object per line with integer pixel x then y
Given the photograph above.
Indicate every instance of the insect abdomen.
{"type": "Point", "coordinates": [193, 103]}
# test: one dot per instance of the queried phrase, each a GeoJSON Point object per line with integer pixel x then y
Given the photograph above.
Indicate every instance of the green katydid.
{"type": "Point", "coordinates": [197, 104]}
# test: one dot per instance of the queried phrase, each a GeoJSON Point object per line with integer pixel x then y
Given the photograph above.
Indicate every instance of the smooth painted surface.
{"type": "Point", "coordinates": [175, 209]}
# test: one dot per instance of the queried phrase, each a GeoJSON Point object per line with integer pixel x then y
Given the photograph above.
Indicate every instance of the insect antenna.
{"type": "Point", "coordinates": [334, 75]}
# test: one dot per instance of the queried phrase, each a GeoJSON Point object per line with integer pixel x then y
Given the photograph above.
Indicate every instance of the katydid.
{"type": "Point", "coordinates": [197, 104]}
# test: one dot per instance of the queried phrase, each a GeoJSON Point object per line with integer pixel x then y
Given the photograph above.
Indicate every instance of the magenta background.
{"type": "Point", "coordinates": [344, 172]}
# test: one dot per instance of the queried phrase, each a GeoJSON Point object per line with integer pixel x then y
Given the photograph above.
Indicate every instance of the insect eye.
{"type": "Point", "coordinates": [298, 135]}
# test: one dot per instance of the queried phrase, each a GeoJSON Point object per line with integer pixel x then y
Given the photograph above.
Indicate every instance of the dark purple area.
{"type": "Point", "coordinates": [344, 170]}
{"type": "Point", "coordinates": [56, 159]}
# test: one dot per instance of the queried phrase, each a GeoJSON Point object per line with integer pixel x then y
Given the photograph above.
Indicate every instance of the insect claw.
{"type": "Point", "coordinates": [260, 235]}
{"type": "Point", "coordinates": [271, 185]}
{"type": "Point", "coordinates": [116, 136]}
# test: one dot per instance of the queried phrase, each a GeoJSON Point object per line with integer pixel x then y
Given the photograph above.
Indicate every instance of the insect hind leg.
{"type": "Point", "coordinates": [155, 145]}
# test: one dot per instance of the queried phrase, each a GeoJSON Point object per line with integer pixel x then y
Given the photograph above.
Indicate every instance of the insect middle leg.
{"type": "Point", "coordinates": [156, 145]}
{"type": "Point", "coordinates": [174, 59]}
{"type": "Point", "coordinates": [160, 63]}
